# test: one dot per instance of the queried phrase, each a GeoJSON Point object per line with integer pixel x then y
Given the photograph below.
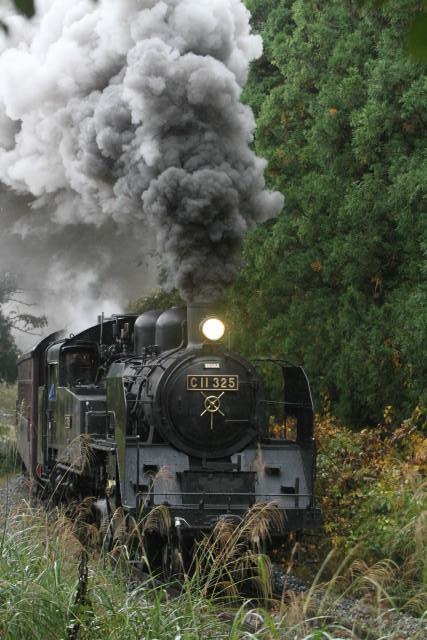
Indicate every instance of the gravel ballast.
{"type": "Point", "coordinates": [350, 612]}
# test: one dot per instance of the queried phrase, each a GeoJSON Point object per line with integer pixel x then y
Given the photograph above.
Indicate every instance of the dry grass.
{"type": "Point", "coordinates": [42, 567]}
{"type": "Point", "coordinates": [230, 558]}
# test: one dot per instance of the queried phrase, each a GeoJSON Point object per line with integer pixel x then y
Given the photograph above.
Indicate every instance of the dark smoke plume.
{"type": "Point", "coordinates": [127, 115]}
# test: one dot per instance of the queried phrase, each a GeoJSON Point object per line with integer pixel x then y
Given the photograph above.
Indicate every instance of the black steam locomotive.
{"type": "Point", "coordinates": [156, 410]}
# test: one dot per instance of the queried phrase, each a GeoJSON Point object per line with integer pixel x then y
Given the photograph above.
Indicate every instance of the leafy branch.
{"type": "Point", "coordinates": [18, 320]}
{"type": "Point", "coordinates": [26, 322]}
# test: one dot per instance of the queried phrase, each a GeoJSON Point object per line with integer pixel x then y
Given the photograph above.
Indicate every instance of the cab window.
{"type": "Point", "coordinates": [79, 367]}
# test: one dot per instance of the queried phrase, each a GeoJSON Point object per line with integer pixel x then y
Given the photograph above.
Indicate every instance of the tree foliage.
{"type": "Point", "coordinates": [14, 319]}
{"type": "Point", "coordinates": [339, 278]}
{"type": "Point", "coordinates": [159, 299]}
{"type": "Point", "coordinates": [8, 348]}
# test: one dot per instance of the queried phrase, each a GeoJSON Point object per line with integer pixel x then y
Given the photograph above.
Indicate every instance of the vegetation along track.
{"type": "Point", "coordinates": [337, 605]}
{"type": "Point", "coordinates": [274, 596]}
{"type": "Point", "coordinates": [308, 608]}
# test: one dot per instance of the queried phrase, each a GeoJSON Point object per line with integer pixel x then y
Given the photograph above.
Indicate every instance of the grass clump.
{"type": "Point", "coordinates": [8, 454]}
{"type": "Point", "coordinates": [7, 399]}
{"type": "Point", "coordinates": [9, 460]}
{"type": "Point", "coordinates": [37, 579]}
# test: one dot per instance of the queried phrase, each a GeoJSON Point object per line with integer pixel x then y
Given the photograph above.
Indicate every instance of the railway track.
{"type": "Point", "coordinates": [356, 619]}
{"type": "Point", "coordinates": [175, 591]}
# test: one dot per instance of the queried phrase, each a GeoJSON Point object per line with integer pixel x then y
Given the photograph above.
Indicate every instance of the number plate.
{"type": "Point", "coordinates": [212, 383]}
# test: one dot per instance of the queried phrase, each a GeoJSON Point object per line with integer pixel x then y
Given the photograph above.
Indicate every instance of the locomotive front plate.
{"type": "Point", "coordinates": [212, 383]}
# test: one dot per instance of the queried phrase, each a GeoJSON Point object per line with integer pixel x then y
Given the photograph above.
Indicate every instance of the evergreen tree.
{"type": "Point", "coordinates": [340, 276]}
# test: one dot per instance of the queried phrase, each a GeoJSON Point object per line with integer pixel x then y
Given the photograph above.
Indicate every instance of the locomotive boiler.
{"type": "Point", "coordinates": [156, 410]}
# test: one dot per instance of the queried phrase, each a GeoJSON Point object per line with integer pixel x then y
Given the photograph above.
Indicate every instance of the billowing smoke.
{"type": "Point", "coordinates": [124, 117]}
{"type": "Point", "coordinates": [69, 273]}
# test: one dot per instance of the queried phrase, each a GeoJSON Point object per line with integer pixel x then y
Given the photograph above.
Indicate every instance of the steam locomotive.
{"type": "Point", "coordinates": [150, 410]}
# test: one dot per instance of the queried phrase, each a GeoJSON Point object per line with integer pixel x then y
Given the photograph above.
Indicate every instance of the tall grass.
{"type": "Point", "coordinates": [7, 398]}
{"type": "Point", "coordinates": [9, 459]}
{"type": "Point", "coordinates": [41, 576]}
{"type": "Point", "coordinates": [52, 587]}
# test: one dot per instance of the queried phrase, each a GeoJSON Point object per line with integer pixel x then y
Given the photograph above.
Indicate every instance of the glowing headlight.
{"type": "Point", "coordinates": [213, 329]}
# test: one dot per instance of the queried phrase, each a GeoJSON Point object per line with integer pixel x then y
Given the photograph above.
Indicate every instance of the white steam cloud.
{"type": "Point", "coordinates": [72, 273]}
{"type": "Point", "coordinates": [122, 120]}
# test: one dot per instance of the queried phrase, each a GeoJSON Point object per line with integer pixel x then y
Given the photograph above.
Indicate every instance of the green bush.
{"type": "Point", "coordinates": [372, 491]}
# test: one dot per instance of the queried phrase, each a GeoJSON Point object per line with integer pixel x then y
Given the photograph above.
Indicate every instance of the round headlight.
{"type": "Point", "coordinates": [213, 329]}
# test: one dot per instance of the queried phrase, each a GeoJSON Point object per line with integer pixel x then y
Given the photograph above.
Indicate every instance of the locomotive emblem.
{"type": "Point", "coordinates": [212, 406]}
